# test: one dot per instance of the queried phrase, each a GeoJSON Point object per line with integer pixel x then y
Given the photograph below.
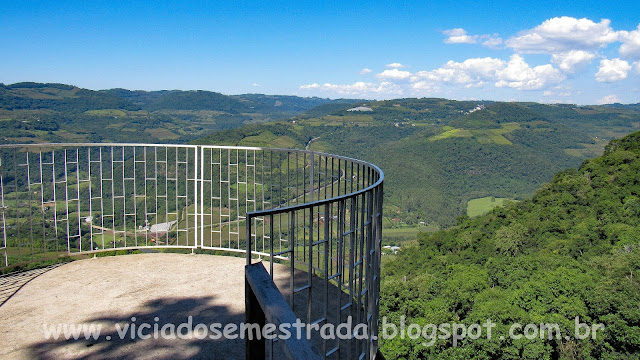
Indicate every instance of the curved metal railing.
{"type": "Point", "coordinates": [317, 213]}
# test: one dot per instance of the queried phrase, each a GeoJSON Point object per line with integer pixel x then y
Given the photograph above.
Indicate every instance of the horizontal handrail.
{"type": "Point", "coordinates": [265, 303]}
{"type": "Point", "coordinates": [275, 210]}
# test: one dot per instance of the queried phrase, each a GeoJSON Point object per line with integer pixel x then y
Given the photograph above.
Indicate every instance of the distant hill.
{"type": "Point", "coordinates": [572, 250]}
{"type": "Point", "coordinates": [58, 97]}
{"type": "Point", "coordinates": [35, 112]}
{"type": "Point", "coordinates": [439, 154]}
{"type": "Point", "coordinates": [287, 104]}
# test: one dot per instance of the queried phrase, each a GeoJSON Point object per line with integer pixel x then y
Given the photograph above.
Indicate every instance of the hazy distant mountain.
{"type": "Point", "coordinates": [35, 112]}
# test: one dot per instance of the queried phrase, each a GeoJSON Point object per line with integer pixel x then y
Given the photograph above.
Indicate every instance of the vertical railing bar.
{"type": "Point", "coordinates": [352, 250]}
{"type": "Point", "coordinates": [155, 199]}
{"type": "Point", "coordinates": [90, 199]}
{"type": "Point", "coordinates": [264, 184]}
{"type": "Point", "coordinates": [246, 196]}
{"type": "Point", "coordinates": [15, 183]}
{"type": "Point", "coordinates": [166, 193]}
{"type": "Point", "coordinates": [187, 164]}
{"type": "Point", "coordinates": [332, 212]}
{"type": "Point", "coordinates": [238, 194]}
{"type": "Point", "coordinates": [203, 204]}
{"type": "Point", "coordinates": [177, 194]}
{"type": "Point", "coordinates": [124, 195]}
{"type": "Point", "coordinates": [361, 259]}
{"type": "Point", "coordinates": [78, 199]}
{"type": "Point", "coordinates": [101, 174]}
{"type": "Point", "coordinates": [304, 210]}
{"type": "Point", "coordinates": [369, 268]}
{"type": "Point", "coordinates": [340, 260]}
{"type": "Point", "coordinates": [135, 199]}
{"type": "Point", "coordinates": [319, 197]}
{"type": "Point", "coordinates": [326, 173]}
{"type": "Point", "coordinates": [292, 250]}
{"type": "Point", "coordinates": [66, 197]}
{"type": "Point", "coordinates": [271, 258]}
{"type": "Point", "coordinates": [310, 267]}
{"type": "Point", "coordinates": [327, 238]}
{"type": "Point", "coordinates": [221, 196]}
{"type": "Point", "coordinates": [44, 218]}
{"type": "Point", "coordinates": [248, 241]}
{"type": "Point", "coordinates": [262, 200]}
{"type": "Point", "coordinates": [379, 193]}
{"type": "Point", "coordinates": [41, 199]}
{"type": "Point", "coordinates": [196, 211]}
{"type": "Point", "coordinates": [210, 199]}
{"type": "Point", "coordinates": [146, 192]}
{"type": "Point", "coordinates": [4, 223]}
{"type": "Point", "coordinates": [113, 200]}
{"type": "Point", "coordinates": [55, 202]}
{"type": "Point", "coordinates": [28, 166]}
{"type": "Point", "coordinates": [229, 194]}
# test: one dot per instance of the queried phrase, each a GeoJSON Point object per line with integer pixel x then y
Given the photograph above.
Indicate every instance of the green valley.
{"type": "Point", "coordinates": [440, 154]}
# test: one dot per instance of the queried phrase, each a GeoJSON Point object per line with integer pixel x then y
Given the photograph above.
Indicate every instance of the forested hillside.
{"type": "Point", "coordinates": [34, 112]}
{"type": "Point", "coordinates": [440, 154]}
{"type": "Point", "coordinates": [573, 250]}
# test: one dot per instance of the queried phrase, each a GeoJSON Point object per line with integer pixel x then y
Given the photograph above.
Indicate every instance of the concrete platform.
{"type": "Point", "coordinates": [111, 291]}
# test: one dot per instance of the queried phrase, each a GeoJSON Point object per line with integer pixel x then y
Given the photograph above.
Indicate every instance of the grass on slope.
{"type": "Point", "coordinates": [483, 136]}
{"type": "Point", "coordinates": [481, 206]}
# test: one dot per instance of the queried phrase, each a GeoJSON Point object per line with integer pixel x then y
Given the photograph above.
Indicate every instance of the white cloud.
{"type": "Point", "coordinates": [458, 36]}
{"type": "Point", "coordinates": [423, 85]}
{"type": "Point", "coordinates": [519, 75]}
{"type": "Point", "coordinates": [492, 42]}
{"type": "Point", "coordinates": [310, 86]}
{"type": "Point", "coordinates": [476, 72]}
{"type": "Point", "coordinates": [255, 84]}
{"type": "Point", "coordinates": [630, 43]}
{"type": "Point", "coordinates": [473, 70]}
{"type": "Point", "coordinates": [395, 65]}
{"type": "Point", "coordinates": [609, 99]}
{"type": "Point", "coordinates": [562, 34]}
{"type": "Point", "coordinates": [612, 70]}
{"type": "Point", "coordinates": [394, 74]}
{"type": "Point", "coordinates": [359, 89]}
{"type": "Point", "coordinates": [570, 60]}
{"type": "Point", "coordinates": [479, 84]}
{"type": "Point", "coordinates": [637, 65]}
{"type": "Point", "coordinates": [365, 71]}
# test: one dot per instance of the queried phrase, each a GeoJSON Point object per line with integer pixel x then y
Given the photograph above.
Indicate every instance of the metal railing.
{"type": "Point", "coordinates": [318, 214]}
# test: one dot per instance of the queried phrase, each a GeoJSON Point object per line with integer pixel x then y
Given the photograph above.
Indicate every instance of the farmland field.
{"type": "Point", "coordinates": [483, 205]}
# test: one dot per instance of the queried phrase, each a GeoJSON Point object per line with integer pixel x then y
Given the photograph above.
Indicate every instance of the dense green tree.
{"type": "Point", "coordinates": [570, 252]}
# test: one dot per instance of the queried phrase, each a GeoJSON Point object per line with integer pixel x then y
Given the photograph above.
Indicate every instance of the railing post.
{"type": "Point", "coordinates": [201, 210]}
{"type": "Point", "coordinates": [248, 242]}
{"type": "Point", "coordinates": [255, 347]}
{"type": "Point", "coordinates": [195, 199]}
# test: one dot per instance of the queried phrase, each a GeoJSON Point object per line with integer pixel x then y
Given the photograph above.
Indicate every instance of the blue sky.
{"type": "Point", "coordinates": [548, 51]}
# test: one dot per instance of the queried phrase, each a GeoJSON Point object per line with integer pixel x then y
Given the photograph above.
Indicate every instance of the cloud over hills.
{"type": "Point", "coordinates": [571, 47]}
